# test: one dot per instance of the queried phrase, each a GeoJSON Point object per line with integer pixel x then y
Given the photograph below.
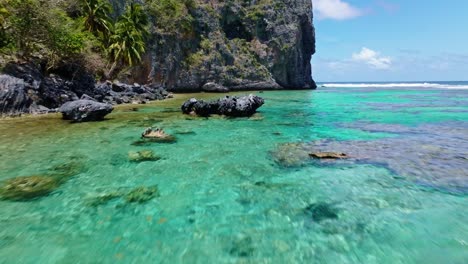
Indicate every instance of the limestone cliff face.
{"type": "Point", "coordinates": [240, 44]}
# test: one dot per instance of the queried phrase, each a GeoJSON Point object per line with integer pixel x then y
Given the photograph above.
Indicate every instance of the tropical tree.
{"type": "Point", "coordinates": [3, 25]}
{"type": "Point", "coordinates": [127, 43]}
{"type": "Point", "coordinates": [27, 27]}
{"type": "Point", "coordinates": [136, 15]}
{"type": "Point", "coordinates": [96, 16]}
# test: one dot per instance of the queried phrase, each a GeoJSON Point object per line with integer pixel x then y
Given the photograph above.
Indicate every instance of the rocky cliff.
{"type": "Point", "coordinates": [239, 44]}
{"type": "Point", "coordinates": [192, 45]}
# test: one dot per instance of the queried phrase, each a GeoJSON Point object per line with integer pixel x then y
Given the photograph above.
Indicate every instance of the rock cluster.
{"type": "Point", "coordinates": [242, 106]}
{"type": "Point", "coordinates": [25, 89]}
{"type": "Point", "coordinates": [121, 93]}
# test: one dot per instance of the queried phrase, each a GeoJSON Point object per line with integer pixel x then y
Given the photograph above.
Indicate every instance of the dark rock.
{"type": "Point", "coordinates": [119, 87]}
{"type": "Point", "coordinates": [87, 97]}
{"type": "Point", "coordinates": [54, 91]}
{"type": "Point", "coordinates": [328, 155]}
{"type": "Point", "coordinates": [14, 97]}
{"type": "Point", "coordinates": [243, 106]}
{"type": "Point", "coordinates": [27, 71]}
{"type": "Point", "coordinates": [85, 110]}
{"type": "Point", "coordinates": [212, 87]}
{"type": "Point", "coordinates": [321, 211]}
{"type": "Point", "coordinates": [188, 106]}
{"type": "Point", "coordinates": [139, 89]}
{"type": "Point", "coordinates": [40, 109]}
{"type": "Point", "coordinates": [103, 89]}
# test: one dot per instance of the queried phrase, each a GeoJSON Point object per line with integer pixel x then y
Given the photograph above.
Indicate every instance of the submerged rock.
{"type": "Point", "coordinates": [243, 106]}
{"type": "Point", "coordinates": [143, 155]}
{"type": "Point", "coordinates": [103, 198]}
{"type": "Point", "coordinates": [67, 170]}
{"type": "Point", "coordinates": [242, 246]}
{"type": "Point", "coordinates": [142, 194]}
{"type": "Point", "coordinates": [27, 188]}
{"type": "Point", "coordinates": [434, 161]}
{"type": "Point", "coordinates": [321, 211]}
{"type": "Point", "coordinates": [85, 110]}
{"type": "Point", "coordinates": [291, 155]}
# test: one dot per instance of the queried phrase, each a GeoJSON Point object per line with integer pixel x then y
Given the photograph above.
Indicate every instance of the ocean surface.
{"type": "Point", "coordinates": [245, 190]}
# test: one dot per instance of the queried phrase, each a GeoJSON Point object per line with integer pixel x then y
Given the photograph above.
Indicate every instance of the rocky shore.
{"type": "Point", "coordinates": [25, 89]}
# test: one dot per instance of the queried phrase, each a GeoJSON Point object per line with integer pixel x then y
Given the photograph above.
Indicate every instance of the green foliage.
{"type": "Point", "coordinates": [127, 43]}
{"type": "Point", "coordinates": [65, 37]}
{"type": "Point", "coordinates": [171, 16]}
{"type": "Point", "coordinates": [4, 14]}
{"type": "Point", "coordinates": [96, 17]}
{"type": "Point", "coordinates": [38, 28]}
{"type": "Point", "coordinates": [27, 27]}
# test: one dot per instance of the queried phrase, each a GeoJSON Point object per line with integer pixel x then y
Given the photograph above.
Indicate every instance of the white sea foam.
{"type": "Point", "coordinates": [396, 85]}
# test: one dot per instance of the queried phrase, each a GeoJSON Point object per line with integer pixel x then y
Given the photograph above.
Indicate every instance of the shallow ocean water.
{"type": "Point", "coordinates": [224, 199]}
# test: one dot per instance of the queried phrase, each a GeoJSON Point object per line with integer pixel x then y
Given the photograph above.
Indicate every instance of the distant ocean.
{"type": "Point", "coordinates": [435, 85]}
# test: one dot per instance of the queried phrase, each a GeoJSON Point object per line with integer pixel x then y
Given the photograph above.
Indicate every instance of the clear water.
{"type": "Point", "coordinates": [224, 199]}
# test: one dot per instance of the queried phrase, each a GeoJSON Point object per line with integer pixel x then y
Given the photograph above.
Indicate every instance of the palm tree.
{"type": "Point", "coordinates": [138, 17]}
{"type": "Point", "coordinates": [127, 43]}
{"type": "Point", "coordinates": [96, 14]}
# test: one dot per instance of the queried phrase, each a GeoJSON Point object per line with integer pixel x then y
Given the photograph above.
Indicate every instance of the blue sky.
{"type": "Point", "coordinates": [391, 40]}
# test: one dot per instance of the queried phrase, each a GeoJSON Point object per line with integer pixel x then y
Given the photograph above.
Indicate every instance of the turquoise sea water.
{"type": "Point", "coordinates": [224, 198]}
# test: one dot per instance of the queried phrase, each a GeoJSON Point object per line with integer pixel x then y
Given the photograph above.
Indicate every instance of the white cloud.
{"type": "Point", "coordinates": [373, 59]}
{"type": "Point", "coordinates": [335, 9]}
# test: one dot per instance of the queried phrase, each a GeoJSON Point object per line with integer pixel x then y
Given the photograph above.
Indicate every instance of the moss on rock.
{"type": "Point", "coordinates": [142, 194]}
{"type": "Point", "coordinates": [27, 188]}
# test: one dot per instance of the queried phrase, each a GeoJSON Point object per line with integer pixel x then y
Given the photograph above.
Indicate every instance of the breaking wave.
{"type": "Point", "coordinates": [396, 85]}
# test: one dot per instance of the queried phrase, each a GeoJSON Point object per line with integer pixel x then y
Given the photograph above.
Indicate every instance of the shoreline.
{"type": "Point", "coordinates": [176, 97]}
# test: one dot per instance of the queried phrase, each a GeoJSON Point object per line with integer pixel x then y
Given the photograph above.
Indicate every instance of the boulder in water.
{"type": "Point", "coordinates": [85, 110]}
{"type": "Point", "coordinates": [157, 135]}
{"type": "Point", "coordinates": [243, 106]}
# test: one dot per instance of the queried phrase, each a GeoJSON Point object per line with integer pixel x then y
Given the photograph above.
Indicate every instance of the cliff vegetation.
{"type": "Point", "coordinates": [178, 44]}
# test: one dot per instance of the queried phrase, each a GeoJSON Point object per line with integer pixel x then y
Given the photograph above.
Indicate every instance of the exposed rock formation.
{"type": "Point", "coordinates": [157, 135]}
{"type": "Point", "coordinates": [85, 110]}
{"type": "Point", "coordinates": [229, 106]}
{"type": "Point", "coordinates": [13, 95]}
{"type": "Point", "coordinates": [238, 44]}
{"type": "Point", "coordinates": [24, 89]}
